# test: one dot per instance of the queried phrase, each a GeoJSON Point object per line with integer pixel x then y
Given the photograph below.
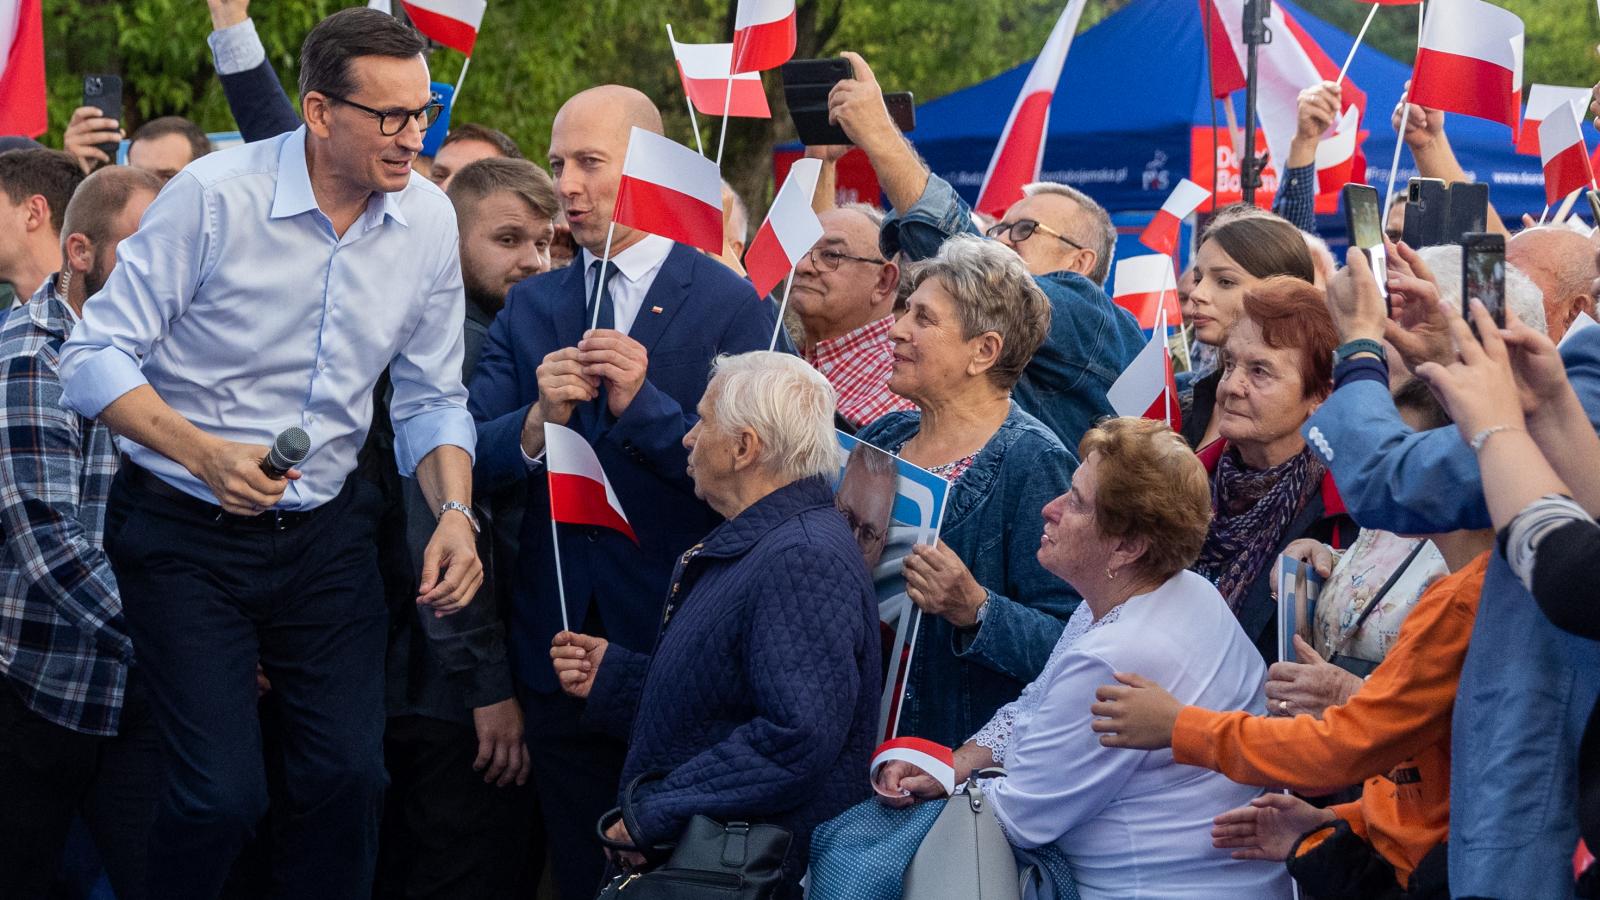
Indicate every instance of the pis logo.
{"type": "Point", "coordinates": [1156, 177]}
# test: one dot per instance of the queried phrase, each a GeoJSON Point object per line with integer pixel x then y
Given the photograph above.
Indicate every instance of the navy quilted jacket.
{"type": "Point", "coordinates": [760, 699]}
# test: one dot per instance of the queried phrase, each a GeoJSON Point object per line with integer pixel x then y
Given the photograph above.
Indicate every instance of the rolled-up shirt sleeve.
{"type": "Point", "coordinates": [159, 268]}
{"type": "Point", "coordinates": [429, 409]}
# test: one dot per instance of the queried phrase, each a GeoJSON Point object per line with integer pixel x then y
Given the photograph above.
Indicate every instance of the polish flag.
{"type": "Point", "coordinates": [1543, 99]}
{"type": "Point", "coordinates": [1146, 388]}
{"type": "Point", "coordinates": [1470, 61]}
{"type": "Point", "coordinates": [1561, 152]}
{"type": "Point", "coordinates": [703, 69]}
{"type": "Point", "coordinates": [22, 85]}
{"type": "Point", "coordinates": [1161, 235]}
{"type": "Point", "coordinates": [763, 34]}
{"type": "Point", "coordinates": [453, 23]}
{"type": "Point", "coordinates": [1336, 155]}
{"type": "Point", "coordinates": [936, 760]}
{"type": "Point", "coordinates": [670, 190]}
{"type": "Point", "coordinates": [1021, 149]}
{"type": "Point", "coordinates": [580, 493]}
{"type": "Point", "coordinates": [1147, 287]}
{"type": "Point", "coordinates": [790, 231]}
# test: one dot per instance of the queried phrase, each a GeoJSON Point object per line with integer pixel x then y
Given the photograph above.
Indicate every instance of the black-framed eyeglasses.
{"type": "Point", "coordinates": [827, 260]}
{"type": "Point", "coordinates": [392, 122]}
{"type": "Point", "coordinates": [1022, 229]}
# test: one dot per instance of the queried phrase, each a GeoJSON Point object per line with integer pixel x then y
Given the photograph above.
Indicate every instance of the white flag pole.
{"type": "Point", "coordinates": [693, 122]}
{"type": "Point", "coordinates": [1166, 362]}
{"type": "Point", "coordinates": [1353, 47]}
{"type": "Point", "coordinates": [1566, 206]}
{"type": "Point", "coordinates": [1544, 215]}
{"type": "Point", "coordinates": [1405, 116]}
{"type": "Point", "coordinates": [555, 545]}
{"type": "Point", "coordinates": [782, 307]}
{"type": "Point", "coordinates": [727, 106]}
{"type": "Point", "coordinates": [459, 79]}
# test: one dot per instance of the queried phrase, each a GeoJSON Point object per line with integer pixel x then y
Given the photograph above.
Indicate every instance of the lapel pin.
{"type": "Point", "coordinates": [655, 309]}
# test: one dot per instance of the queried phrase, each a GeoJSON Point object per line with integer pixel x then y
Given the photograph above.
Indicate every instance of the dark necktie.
{"type": "Point", "coordinates": [608, 315]}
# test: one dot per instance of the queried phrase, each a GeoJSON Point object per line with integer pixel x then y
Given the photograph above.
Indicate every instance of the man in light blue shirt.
{"type": "Point", "coordinates": [270, 286]}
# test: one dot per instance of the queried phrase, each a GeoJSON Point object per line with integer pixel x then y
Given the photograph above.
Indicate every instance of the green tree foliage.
{"type": "Point", "coordinates": [533, 54]}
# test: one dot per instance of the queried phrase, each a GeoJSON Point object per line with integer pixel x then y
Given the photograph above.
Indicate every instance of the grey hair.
{"type": "Point", "coordinates": [1522, 296]}
{"type": "Point", "coordinates": [1104, 242]}
{"type": "Point", "coordinates": [738, 214]}
{"type": "Point", "coordinates": [994, 292]}
{"type": "Point", "coordinates": [787, 403]}
{"type": "Point", "coordinates": [873, 214]}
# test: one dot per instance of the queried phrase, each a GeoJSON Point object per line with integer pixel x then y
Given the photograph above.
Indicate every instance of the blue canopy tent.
{"type": "Point", "coordinates": [1133, 108]}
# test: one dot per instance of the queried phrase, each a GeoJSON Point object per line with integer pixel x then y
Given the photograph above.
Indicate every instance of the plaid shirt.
{"type": "Point", "coordinates": [63, 645]}
{"type": "Point", "coordinates": [858, 365]}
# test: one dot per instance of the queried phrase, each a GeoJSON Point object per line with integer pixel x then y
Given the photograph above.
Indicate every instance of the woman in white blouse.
{"type": "Point", "coordinates": [1133, 825]}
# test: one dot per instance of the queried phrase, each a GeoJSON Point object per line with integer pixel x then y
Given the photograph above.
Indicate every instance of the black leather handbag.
{"type": "Point", "coordinates": [736, 861]}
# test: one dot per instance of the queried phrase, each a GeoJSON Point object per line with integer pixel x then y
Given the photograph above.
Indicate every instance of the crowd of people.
{"type": "Point", "coordinates": [386, 672]}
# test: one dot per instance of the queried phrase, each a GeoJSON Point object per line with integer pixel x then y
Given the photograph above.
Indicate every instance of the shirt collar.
{"type": "Point", "coordinates": [871, 333]}
{"type": "Point", "coordinates": [49, 310]}
{"type": "Point", "coordinates": [637, 261]}
{"type": "Point", "coordinates": [293, 194]}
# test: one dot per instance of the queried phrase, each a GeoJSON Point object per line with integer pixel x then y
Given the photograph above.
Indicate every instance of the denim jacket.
{"type": "Point", "coordinates": [1091, 339]}
{"type": "Point", "coordinates": [993, 521]}
{"type": "Point", "coordinates": [1526, 687]}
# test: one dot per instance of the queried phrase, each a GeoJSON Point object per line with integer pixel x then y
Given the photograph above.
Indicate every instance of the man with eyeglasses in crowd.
{"type": "Point", "coordinates": [268, 286]}
{"type": "Point", "coordinates": [843, 296]}
{"type": "Point", "coordinates": [1064, 237]}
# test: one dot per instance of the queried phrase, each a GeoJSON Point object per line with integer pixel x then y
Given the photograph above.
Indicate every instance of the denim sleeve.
{"type": "Point", "coordinates": [938, 215]}
{"type": "Point", "coordinates": [1021, 626]}
{"type": "Point", "coordinates": [1297, 198]}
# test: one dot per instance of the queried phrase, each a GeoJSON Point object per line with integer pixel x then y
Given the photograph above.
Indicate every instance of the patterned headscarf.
{"type": "Point", "coordinates": [1251, 508]}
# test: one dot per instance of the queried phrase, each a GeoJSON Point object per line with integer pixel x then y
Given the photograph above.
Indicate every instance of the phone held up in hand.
{"type": "Point", "coordinates": [1483, 276]}
{"type": "Point", "coordinates": [806, 85]}
{"type": "Point", "coordinates": [104, 92]}
{"type": "Point", "coordinates": [1365, 228]}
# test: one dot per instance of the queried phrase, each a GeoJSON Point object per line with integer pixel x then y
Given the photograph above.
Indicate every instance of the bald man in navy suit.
{"type": "Point", "coordinates": [630, 388]}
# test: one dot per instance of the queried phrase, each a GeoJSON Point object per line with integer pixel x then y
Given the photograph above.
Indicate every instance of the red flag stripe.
{"type": "Point", "coordinates": [767, 45]}
{"type": "Point", "coordinates": [1566, 172]}
{"type": "Point", "coordinates": [1161, 235]}
{"type": "Point", "coordinates": [23, 108]}
{"type": "Point", "coordinates": [661, 210]}
{"type": "Point", "coordinates": [1462, 84]}
{"type": "Point", "coordinates": [450, 32]}
{"type": "Point", "coordinates": [1017, 162]}
{"type": "Point", "coordinates": [577, 500]}
{"type": "Point", "coordinates": [765, 261]}
{"type": "Point", "coordinates": [1147, 306]}
{"type": "Point", "coordinates": [748, 100]}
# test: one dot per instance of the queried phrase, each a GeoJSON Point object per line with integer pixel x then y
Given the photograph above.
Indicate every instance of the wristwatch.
{"type": "Point", "coordinates": [1360, 345]}
{"type": "Point", "coordinates": [462, 508]}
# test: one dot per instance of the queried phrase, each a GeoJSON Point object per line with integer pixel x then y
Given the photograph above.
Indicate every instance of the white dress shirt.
{"type": "Point", "coordinates": [637, 268]}
{"type": "Point", "coordinates": [1133, 823]}
{"type": "Point", "coordinates": [236, 302]}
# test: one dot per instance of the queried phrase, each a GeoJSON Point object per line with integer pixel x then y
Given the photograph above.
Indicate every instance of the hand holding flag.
{"type": "Point", "coordinates": [1469, 61]}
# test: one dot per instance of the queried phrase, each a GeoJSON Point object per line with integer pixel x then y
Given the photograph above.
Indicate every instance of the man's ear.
{"type": "Point", "coordinates": [316, 109]}
{"type": "Point", "coordinates": [38, 212]}
{"type": "Point", "coordinates": [746, 449]}
{"type": "Point", "coordinates": [79, 253]}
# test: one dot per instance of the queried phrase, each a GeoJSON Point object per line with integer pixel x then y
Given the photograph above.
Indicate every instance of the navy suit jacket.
{"type": "Point", "coordinates": [704, 310]}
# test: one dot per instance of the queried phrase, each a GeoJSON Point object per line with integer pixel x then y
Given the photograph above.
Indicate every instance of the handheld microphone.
{"type": "Point", "coordinates": [288, 450]}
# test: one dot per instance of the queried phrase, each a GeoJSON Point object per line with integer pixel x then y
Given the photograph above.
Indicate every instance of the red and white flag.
{"type": "Point", "coordinates": [1161, 235]}
{"type": "Point", "coordinates": [1020, 152]}
{"type": "Point", "coordinates": [1147, 388]}
{"type": "Point", "coordinates": [1470, 61]}
{"type": "Point", "coordinates": [580, 493]}
{"type": "Point", "coordinates": [1336, 155]}
{"type": "Point", "coordinates": [1147, 286]}
{"type": "Point", "coordinates": [22, 86]}
{"type": "Point", "coordinates": [1543, 99]}
{"type": "Point", "coordinates": [935, 759]}
{"type": "Point", "coordinates": [790, 231]}
{"type": "Point", "coordinates": [1561, 152]}
{"type": "Point", "coordinates": [670, 190]}
{"type": "Point", "coordinates": [453, 23]}
{"type": "Point", "coordinates": [763, 34]}
{"type": "Point", "coordinates": [704, 68]}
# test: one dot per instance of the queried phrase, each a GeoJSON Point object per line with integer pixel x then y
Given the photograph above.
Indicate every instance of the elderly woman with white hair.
{"type": "Point", "coordinates": [991, 611]}
{"type": "Point", "coordinates": [759, 699]}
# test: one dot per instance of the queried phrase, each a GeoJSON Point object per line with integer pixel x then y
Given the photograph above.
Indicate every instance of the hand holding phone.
{"type": "Point", "coordinates": [820, 112]}
{"type": "Point", "coordinates": [1483, 276]}
{"type": "Point", "coordinates": [1366, 231]}
{"type": "Point", "coordinates": [104, 92]}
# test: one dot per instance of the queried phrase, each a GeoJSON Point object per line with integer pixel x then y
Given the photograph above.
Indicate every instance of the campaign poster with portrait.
{"type": "Point", "coordinates": [891, 506]}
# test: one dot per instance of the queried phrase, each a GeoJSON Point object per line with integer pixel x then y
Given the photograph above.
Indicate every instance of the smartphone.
{"type": "Point", "coordinates": [1483, 275]}
{"type": "Point", "coordinates": [806, 85]}
{"type": "Point", "coordinates": [1469, 210]}
{"type": "Point", "coordinates": [1365, 228]}
{"type": "Point", "coordinates": [105, 93]}
{"type": "Point", "coordinates": [1427, 211]}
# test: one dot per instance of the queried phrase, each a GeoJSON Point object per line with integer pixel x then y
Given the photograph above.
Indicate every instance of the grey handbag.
{"type": "Point", "coordinates": [965, 855]}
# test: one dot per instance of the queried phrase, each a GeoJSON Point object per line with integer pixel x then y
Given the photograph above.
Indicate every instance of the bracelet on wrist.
{"type": "Point", "coordinates": [1482, 437]}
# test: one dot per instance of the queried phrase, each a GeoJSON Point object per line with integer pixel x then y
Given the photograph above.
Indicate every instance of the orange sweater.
{"type": "Point", "coordinates": [1398, 724]}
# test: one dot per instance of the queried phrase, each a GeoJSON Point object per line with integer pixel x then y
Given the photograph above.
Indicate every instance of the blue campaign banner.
{"type": "Point", "coordinates": [443, 94]}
